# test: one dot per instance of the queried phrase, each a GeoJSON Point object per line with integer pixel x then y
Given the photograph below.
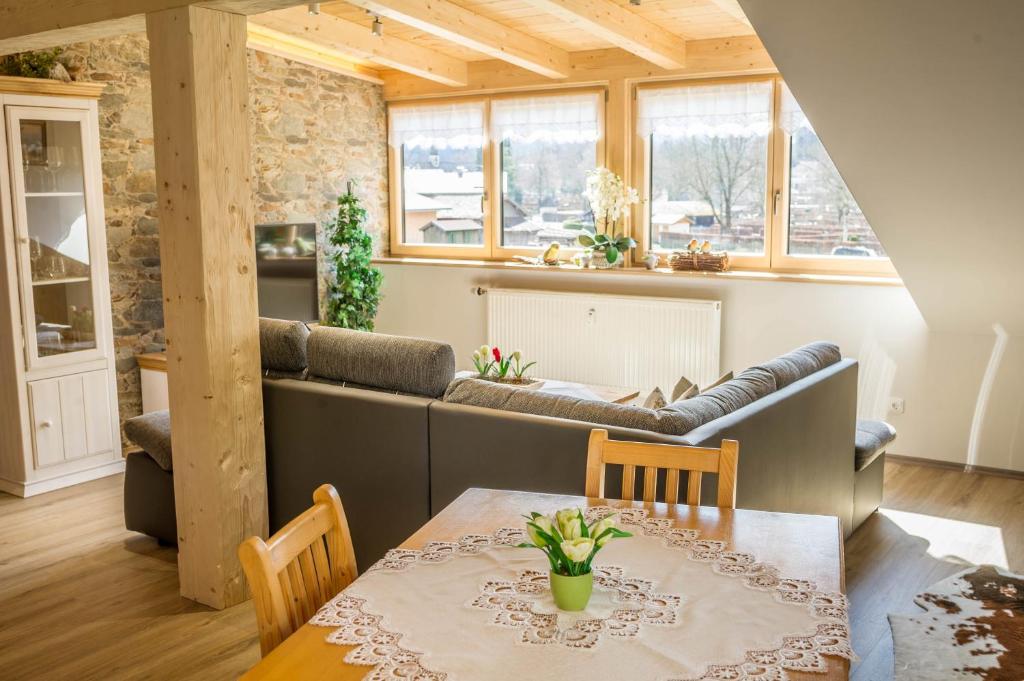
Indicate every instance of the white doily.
{"type": "Point", "coordinates": [716, 614]}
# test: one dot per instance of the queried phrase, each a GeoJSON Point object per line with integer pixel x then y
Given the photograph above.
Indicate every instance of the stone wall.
{"type": "Point", "coordinates": [312, 132]}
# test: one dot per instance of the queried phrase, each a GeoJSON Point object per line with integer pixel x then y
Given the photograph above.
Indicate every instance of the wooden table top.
{"type": "Point", "coordinates": [801, 546]}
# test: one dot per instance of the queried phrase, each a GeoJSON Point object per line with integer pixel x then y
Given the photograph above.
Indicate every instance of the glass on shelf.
{"type": "Point", "coordinates": [51, 157]}
{"type": "Point", "coordinates": [56, 225]}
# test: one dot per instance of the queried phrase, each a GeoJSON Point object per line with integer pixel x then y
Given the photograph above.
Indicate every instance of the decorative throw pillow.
{"type": "Point", "coordinates": [656, 400]}
{"type": "Point", "coordinates": [727, 376]}
{"type": "Point", "coordinates": [692, 391]}
{"type": "Point", "coordinates": [682, 385]}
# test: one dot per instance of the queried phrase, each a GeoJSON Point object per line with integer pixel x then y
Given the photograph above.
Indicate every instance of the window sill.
{"type": "Point", "coordinates": [637, 271]}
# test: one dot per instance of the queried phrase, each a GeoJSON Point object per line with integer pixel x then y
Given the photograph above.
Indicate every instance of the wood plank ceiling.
{"type": "Point", "coordinates": [436, 39]}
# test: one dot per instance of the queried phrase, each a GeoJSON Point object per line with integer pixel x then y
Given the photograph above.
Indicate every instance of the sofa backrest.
{"type": "Point", "coordinates": [803, 432]}
{"type": "Point", "coordinates": [372, 446]}
{"type": "Point", "coordinates": [411, 366]}
{"type": "Point", "coordinates": [677, 418]}
{"type": "Point", "coordinates": [283, 348]}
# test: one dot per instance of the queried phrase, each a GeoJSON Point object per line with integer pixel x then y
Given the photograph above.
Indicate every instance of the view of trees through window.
{"type": "Point", "coordinates": [542, 192]}
{"type": "Point", "coordinates": [734, 162]}
{"type": "Point", "coordinates": [824, 219]}
{"type": "Point", "coordinates": [442, 202]}
{"type": "Point", "coordinates": [709, 188]}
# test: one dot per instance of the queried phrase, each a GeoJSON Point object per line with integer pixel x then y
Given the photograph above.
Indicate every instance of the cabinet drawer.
{"type": "Point", "coordinates": [70, 417]}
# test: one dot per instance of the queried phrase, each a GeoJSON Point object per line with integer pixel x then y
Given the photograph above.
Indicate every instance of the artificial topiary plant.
{"type": "Point", "coordinates": [355, 293]}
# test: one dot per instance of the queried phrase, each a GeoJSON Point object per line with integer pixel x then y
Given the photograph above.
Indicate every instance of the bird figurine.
{"type": "Point", "coordinates": [693, 246]}
{"type": "Point", "coordinates": [550, 256]}
{"type": "Point", "coordinates": [705, 247]}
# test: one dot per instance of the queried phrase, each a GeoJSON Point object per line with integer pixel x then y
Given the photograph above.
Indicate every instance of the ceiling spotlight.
{"type": "Point", "coordinates": [314, 8]}
{"type": "Point", "coordinates": [378, 27]}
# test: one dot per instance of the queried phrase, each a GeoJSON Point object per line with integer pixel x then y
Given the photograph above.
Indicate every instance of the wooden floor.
{"type": "Point", "coordinates": [81, 598]}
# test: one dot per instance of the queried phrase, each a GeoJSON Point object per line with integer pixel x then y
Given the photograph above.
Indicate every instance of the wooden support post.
{"type": "Point", "coordinates": [208, 262]}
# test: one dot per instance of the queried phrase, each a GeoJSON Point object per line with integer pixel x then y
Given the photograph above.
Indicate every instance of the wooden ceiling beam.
{"type": "Point", "coordinates": [306, 52]}
{"type": "Point", "coordinates": [354, 40]}
{"type": "Point", "coordinates": [709, 58]}
{"type": "Point", "coordinates": [26, 25]}
{"type": "Point", "coordinates": [733, 9]}
{"type": "Point", "coordinates": [468, 29]}
{"type": "Point", "coordinates": [620, 27]}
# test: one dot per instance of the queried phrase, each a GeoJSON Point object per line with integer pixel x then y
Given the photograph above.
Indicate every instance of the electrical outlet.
{"type": "Point", "coordinates": [897, 405]}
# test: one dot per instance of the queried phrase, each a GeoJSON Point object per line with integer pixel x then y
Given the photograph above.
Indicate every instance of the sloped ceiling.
{"type": "Point", "coordinates": [920, 103]}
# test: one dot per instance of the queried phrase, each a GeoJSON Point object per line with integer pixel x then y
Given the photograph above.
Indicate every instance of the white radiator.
{"type": "Point", "coordinates": [628, 341]}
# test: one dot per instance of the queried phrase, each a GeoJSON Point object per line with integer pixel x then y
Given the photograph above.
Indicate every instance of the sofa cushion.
{"type": "Point", "coordinates": [802, 362]}
{"type": "Point", "coordinates": [152, 432]}
{"type": "Point", "coordinates": [749, 385]}
{"type": "Point", "coordinates": [283, 348]}
{"type": "Point", "coordinates": [676, 419]}
{"type": "Point", "coordinates": [395, 363]}
{"type": "Point", "coordinates": [871, 440]}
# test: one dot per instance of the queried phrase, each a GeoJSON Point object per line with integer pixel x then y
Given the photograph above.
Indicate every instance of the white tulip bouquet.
{"type": "Point", "coordinates": [568, 542]}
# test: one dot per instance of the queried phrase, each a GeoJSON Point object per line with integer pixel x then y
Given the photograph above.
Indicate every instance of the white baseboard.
{"type": "Point", "coordinates": [30, 489]}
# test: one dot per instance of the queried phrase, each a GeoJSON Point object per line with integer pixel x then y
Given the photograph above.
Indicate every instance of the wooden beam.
{"type": "Point", "coordinates": [357, 41]}
{"type": "Point", "coordinates": [711, 58]}
{"type": "Point", "coordinates": [306, 52]}
{"type": "Point", "coordinates": [27, 25]}
{"type": "Point", "coordinates": [733, 9]}
{"type": "Point", "coordinates": [468, 29]}
{"type": "Point", "coordinates": [620, 27]}
{"type": "Point", "coordinates": [199, 71]}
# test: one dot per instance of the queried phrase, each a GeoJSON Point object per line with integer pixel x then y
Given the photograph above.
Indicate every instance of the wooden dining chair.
{"type": "Point", "coordinates": [651, 457]}
{"type": "Point", "coordinates": [300, 568]}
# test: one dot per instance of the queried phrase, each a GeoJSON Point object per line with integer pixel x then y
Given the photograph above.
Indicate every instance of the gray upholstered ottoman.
{"type": "Point", "coordinates": [149, 480]}
{"type": "Point", "coordinates": [869, 467]}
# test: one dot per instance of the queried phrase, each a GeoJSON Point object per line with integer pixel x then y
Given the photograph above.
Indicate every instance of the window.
{"type": "Point", "coordinates": [440, 161]}
{"type": "Point", "coordinates": [531, 153]}
{"type": "Point", "coordinates": [708, 173]}
{"type": "Point", "coordinates": [548, 144]}
{"type": "Point", "coordinates": [736, 163]}
{"type": "Point", "coordinates": [821, 222]}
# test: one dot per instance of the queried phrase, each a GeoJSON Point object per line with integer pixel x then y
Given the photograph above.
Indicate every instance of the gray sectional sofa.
{"type": "Point", "coordinates": [381, 418]}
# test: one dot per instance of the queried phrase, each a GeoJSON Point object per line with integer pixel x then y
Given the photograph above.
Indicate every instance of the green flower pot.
{"type": "Point", "coordinates": [572, 593]}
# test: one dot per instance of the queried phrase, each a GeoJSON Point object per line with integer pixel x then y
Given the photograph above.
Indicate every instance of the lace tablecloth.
{"type": "Point", "coordinates": [667, 606]}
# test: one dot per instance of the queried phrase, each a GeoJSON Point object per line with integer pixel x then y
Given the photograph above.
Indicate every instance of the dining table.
{"type": "Point", "coordinates": [792, 559]}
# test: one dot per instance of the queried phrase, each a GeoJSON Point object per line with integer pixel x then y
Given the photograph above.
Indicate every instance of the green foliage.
{"type": "Point", "coordinates": [30, 64]}
{"type": "Point", "coordinates": [611, 246]}
{"type": "Point", "coordinates": [355, 293]}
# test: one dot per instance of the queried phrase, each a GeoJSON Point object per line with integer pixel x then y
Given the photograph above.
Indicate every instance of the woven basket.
{"type": "Point", "coordinates": [682, 261]}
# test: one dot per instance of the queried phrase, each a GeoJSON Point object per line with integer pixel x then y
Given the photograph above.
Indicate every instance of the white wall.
{"type": "Point", "coordinates": [938, 374]}
{"type": "Point", "coordinates": [920, 104]}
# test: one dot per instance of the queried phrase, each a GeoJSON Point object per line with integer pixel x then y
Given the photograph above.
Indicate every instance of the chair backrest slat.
{"type": "Point", "coordinates": [671, 486]}
{"type": "Point", "coordinates": [300, 568]}
{"type": "Point", "coordinates": [693, 488]}
{"type": "Point", "coordinates": [650, 482]}
{"type": "Point", "coordinates": [628, 482]}
{"type": "Point", "coordinates": [672, 458]}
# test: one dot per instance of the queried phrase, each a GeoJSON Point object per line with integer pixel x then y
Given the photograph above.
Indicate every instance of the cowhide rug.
{"type": "Point", "coordinates": [972, 629]}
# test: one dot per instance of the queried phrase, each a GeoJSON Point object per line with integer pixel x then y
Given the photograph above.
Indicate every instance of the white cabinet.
{"type": "Point", "coordinates": [58, 399]}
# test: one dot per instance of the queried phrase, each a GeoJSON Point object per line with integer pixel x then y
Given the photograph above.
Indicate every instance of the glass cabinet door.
{"type": "Point", "coordinates": [49, 166]}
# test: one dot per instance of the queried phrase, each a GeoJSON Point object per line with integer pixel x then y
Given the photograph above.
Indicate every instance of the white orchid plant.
{"type": "Point", "coordinates": [568, 542]}
{"type": "Point", "coordinates": [609, 199]}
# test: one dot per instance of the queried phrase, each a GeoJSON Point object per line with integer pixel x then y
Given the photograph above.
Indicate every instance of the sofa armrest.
{"type": "Point", "coordinates": [796, 446]}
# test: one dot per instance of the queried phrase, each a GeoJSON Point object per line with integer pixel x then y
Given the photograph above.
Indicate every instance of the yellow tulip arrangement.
{"type": "Point", "coordinates": [568, 542]}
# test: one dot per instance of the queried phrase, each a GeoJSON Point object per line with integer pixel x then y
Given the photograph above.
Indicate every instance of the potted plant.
{"type": "Point", "coordinates": [570, 546]}
{"type": "Point", "coordinates": [609, 199]}
{"type": "Point", "coordinates": [491, 365]}
{"type": "Point", "coordinates": [353, 296]}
